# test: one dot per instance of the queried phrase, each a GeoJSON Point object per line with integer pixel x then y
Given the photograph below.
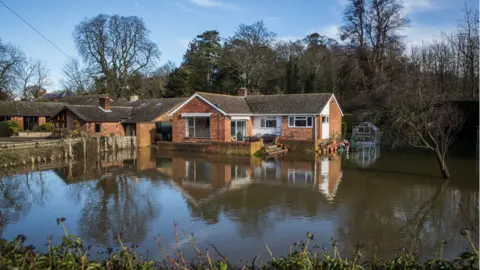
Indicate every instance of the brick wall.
{"type": "Point", "coordinates": [106, 128]}
{"type": "Point", "coordinates": [295, 133]}
{"type": "Point", "coordinates": [19, 120]}
{"type": "Point", "coordinates": [145, 134]}
{"type": "Point", "coordinates": [318, 126]}
{"type": "Point", "coordinates": [335, 120]}
{"type": "Point", "coordinates": [41, 120]}
{"type": "Point", "coordinates": [219, 124]}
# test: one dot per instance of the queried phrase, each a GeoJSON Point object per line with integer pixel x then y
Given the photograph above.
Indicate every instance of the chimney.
{"type": "Point", "coordinates": [134, 98]}
{"type": "Point", "coordinates": [104, 103]}
{"type": "Point", "coordinates": [242, 92]}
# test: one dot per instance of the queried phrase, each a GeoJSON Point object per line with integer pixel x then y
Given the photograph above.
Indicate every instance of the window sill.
{"type": "Point", "coordinates": [299, 127]}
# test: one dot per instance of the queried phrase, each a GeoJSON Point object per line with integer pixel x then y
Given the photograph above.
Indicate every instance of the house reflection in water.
{"type": "Point", "coordinates": [204, 178]}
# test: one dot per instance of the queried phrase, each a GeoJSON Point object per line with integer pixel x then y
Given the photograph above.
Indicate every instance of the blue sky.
{"type": "Point", "coordinates": [174, 22]}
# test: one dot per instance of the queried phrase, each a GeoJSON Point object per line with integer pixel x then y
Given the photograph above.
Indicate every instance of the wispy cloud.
{"type": "Point", "coordinates": [411, 6]}
{"type": "Point", "coordinates": [213, 3]}
{"type": "Point", "coordinates": [418, 34]}
{"type": "Point", "coordinates": [331, 31]}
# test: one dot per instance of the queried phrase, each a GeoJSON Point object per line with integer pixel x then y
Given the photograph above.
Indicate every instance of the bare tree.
{"type": "Point", "coordinates": [33, 78]}
{"type": "Point", "coordinates": [75, 77]}
{"type": "Point", "coordinates": [372, 29]}
{"type": "Point", "coordinates": [415, 111]}
{"type": "Point", "coordinates": [11, 61]}
{"type": "Point", "coordinates": [115, 47]}
{"type": "Point", "coordinates": [249, 52]}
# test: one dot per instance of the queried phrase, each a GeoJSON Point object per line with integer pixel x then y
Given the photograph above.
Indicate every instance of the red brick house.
{"type": "Point", "coordinates": [224, 118]}
{"type": "Point", "coordinates": [101, 115]}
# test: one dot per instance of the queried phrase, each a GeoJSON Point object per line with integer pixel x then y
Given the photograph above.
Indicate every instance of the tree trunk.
{"type": "Point", "coordinates": [443, 166]}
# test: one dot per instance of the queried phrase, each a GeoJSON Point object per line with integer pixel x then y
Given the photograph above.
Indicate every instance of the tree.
{"type": "Point", "coordinates": [75, 77]}
{"type": "Point", "coordinates": [115, 48]}
{"type": "Point", "coordinates": [11, 61]}
{"type": "Point", "coordinates": [202, 60]}
{"type": "Point", "coordinates": [249, 52]}
{"type": "Point", "coordinates": [33, 78]}
{"type": "Point", "coordinates": [372, 30]}
{"type": "Point", "coordinates": [414, 111]}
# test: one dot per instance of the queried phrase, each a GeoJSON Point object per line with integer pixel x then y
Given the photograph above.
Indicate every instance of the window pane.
{"type": "Point", "coordinates": [262, 122]}
{"type": "Point", "coordinates": [291, 121]}
{"type": "Point", "coordinates": [190, 121]}
{"type": "Point", "coordinates": [271, 123]}
{"type": "Point", "coordinates": [309, 121]}
{"type": "Point", "coordinates": [190, 132]}
{"type": "Point", "coordinates": [300, 122]}
{"type": "Point", "coordinates": [202, 127]}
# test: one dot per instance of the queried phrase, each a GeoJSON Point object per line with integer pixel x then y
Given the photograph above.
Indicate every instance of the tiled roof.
{"type": "Point", "coordinates": [29, 108]}
{"type": "Point", "coordinates": [150, 109]}
{"type": "Point", "coordinates": [97, 114]}
{"type": "Point", "coordinates": [288, 104]}
{"type": "Point", "coordinates": [227, 103]}
{"type": "Point", "coordinates": [91, 100]}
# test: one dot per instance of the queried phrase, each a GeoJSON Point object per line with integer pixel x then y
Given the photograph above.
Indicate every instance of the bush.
{"type": "Point", "coordinates": [9, 128]}
{"type": "Point", "coordinates": [45, 127]}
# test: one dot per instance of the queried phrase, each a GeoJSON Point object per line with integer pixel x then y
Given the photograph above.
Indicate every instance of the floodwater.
{"type": "Point", "coordinates": [384, 200]}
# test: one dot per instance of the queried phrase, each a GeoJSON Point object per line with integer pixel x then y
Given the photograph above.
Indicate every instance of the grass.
{"type": "Point", "coordinates": [72, 253]}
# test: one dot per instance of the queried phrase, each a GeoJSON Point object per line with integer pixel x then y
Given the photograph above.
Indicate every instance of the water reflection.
{"type": "Point", "coordinates": [396, 201]}
{"type": "Point", "coordinates": [365, 155]}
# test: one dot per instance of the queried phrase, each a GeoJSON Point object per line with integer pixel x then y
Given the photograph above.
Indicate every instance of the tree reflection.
{"type": "Point", "coordinates": [20, 193]}
{"type": "Point", "coordinates": [117, 204]}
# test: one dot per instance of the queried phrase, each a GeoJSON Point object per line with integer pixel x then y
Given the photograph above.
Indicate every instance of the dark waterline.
{"type": "Point", "coordinates": [378, 197]}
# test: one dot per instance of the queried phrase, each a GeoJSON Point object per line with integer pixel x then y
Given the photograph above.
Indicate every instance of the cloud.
{"type": "Point", "coordinates": [418, 34]}
{"type": "Point", "coordinates": [331, 31]}
{"type": "Point", "coordinates": [289, 38]}
{"type": "Point", "coordinates": [212, 4]}
{"type": "Point", "coordinates": [411, 6]}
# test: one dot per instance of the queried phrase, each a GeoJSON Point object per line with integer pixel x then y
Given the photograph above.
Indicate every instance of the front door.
{"type": "Point", "coordinates": [238, 130]}
{"type": "Point", "coordinates": [325, 127]}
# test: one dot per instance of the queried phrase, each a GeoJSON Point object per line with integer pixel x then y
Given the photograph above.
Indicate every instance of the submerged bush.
{"type": "Point", "coordinates": [73, 254]}
{"type": "Point", "coordinates": [9, 128]}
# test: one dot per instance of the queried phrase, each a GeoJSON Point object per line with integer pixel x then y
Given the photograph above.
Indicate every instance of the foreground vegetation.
{"type": "Point", "coordinates": [72, 253]}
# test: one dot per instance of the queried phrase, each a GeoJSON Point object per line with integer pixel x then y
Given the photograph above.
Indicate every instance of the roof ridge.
{"type": "Point", "coordinates": [217, 94]}
{"type": "Point", "coordinates": [295, 94]}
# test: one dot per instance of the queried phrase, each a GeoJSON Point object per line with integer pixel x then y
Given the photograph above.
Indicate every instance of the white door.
{"type": "Point", "coordinates": [325, 126]}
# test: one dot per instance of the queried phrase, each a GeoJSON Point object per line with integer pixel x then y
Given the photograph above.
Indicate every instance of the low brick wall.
{"type": "Point", "coordinates": [224, 148]}
{"type": "Point", "coordinates": [300, 146]}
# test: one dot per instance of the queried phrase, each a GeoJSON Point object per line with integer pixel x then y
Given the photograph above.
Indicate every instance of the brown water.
{"type": "Point", "coordinates": [384, 199]}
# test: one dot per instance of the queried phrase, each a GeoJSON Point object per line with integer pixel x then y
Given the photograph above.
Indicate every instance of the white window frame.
{"type": "Point", "coordinates": [263, 122]}
{"type": "Point", "coordinates": [300, 118]}
{"type": "Point", "coordinates": [293, 173]}
{"type": "Point", "coordinates": [194, 127]}
{"type": "Point", "coordinates": [327, 118]}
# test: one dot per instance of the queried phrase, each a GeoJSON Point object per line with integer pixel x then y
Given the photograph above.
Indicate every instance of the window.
{"type": "Point", "coordinates": [296, 175]}
{"type": "Point", "coordinates": [197, 171]}
{"type": "Point", "coordinates": [325, 119]}
{"type": "Point", "coordinates": [300, 121]}
{"type": "Point", "coordinates": [98, 128]}
{"type": "Point", "coordinates": [197, 127]}
{"type": "Point", "coordinates": [268, 122]}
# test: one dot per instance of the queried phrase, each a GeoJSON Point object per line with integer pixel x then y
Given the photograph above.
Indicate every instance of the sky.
{"type": "Point", "coordinates": [173, 23]}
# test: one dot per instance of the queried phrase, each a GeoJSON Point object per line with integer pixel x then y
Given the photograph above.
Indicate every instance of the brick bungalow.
{"type": "Point", "coordinates": [100, 114]}
{"type": "Point", "coordinates": [224, 118]}
{"type": "Point", "coordinates": [28, 114]}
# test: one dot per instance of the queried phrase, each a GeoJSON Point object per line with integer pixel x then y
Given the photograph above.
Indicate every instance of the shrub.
{"type": "Point", "coordinates": [9, 128]}
{"type": "Point", "coordinates": [45, 127]}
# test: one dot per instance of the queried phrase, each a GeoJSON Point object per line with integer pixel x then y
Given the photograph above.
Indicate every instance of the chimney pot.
{"type": "Point", "coordinates": [242, 92]}
{"type": "Point", "coordinates": [105, 103]}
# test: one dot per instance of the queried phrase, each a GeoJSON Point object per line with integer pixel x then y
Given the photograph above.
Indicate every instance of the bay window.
{"type": "Point", "coordinates": [197, 127]}
{"type": "Point", "coordinates": [300, 121]}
